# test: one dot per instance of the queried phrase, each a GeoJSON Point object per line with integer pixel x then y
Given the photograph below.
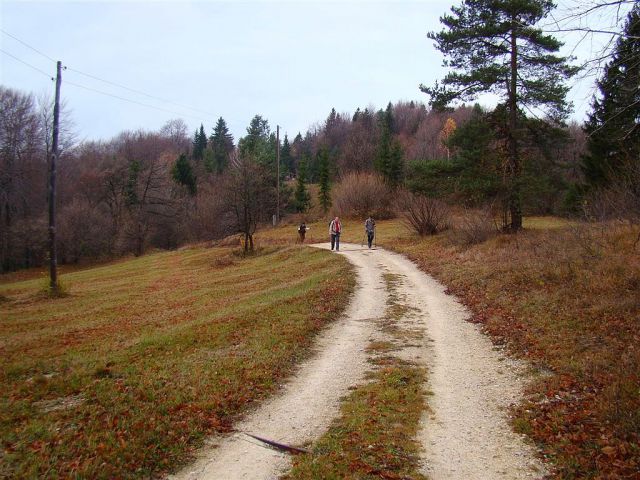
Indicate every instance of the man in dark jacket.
{"type": "Point", "coordinates": [370, 229]}
{"type": "Point", "coordinates": [302, 230]}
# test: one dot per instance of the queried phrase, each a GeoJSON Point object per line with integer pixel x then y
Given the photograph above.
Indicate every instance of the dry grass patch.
{"type": "Point", "coordinates": [128, 374]}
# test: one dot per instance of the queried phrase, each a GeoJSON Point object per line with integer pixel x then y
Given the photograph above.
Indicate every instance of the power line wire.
{"type": "Point", "coordinates": [67, 82]}
{"type": "Point", "coordinates": [94, 77]}
{"type": "Point", "coordinates": [27, 64]}
{"type": "Point", "coordinates": [27, 45]}
{"type": "Point", "coordinates": [138, 91]}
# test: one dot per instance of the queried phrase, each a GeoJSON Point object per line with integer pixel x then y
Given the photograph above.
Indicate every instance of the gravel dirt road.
{"type": "Point", "coordinates": [466, 434]}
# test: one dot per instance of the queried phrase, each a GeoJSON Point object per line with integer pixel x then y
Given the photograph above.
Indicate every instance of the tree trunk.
{"type": "Point", "coordinates": [513, 171]}
{"type": "Point", "coordinates": [139, 241]}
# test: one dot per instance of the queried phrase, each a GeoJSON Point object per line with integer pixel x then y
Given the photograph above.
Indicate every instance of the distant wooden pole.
{"type": "Point", "coordinates": [53, 256]}
{"type": "Point", "coordinates": [278, 174]}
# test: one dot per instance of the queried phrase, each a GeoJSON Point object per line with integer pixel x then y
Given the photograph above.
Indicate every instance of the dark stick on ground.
{"type": "Point", "coordinates": [279, 446]}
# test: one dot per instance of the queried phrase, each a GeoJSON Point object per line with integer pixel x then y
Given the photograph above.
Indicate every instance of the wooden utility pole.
{"type": "Point", "coordinates": [53, 256]}
{"type": "Point", "coordinates": [277, 174]}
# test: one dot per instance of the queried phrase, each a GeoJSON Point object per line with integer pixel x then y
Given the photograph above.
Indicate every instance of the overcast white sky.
{"type": "Point", "coordinates": [291, 62]}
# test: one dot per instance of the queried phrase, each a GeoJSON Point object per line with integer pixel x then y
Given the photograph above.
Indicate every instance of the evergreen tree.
{"type": "Point", "coordinates": [268, 155]}
{"type": "Point", "coordinates": [297, 152]}
{"type": "Point", "coordinates": [286, 159]}
{"type": "Point", "coordinates": [313, 168]}
{"type": "Point", "coordinates": [331, 120]}
{"type": "Point", "coordinates": [199, 144]}
{"type": "Point", "coordinates": [301, 196]}
{"type": "Point", "coordinates": [494, 46]}
{"type": "Point", "coordinates": [383, 155]}
{"type": "Point", "coordinates": [209, 161]}
{"type": "Point", "coordinates": [388, 118]}
{"type": "Point", "coordinates": [131, 187]}
{"type": "Point", "coordinates": [356, 116]}
{"type": "Point", "coordinates": [389, 159]}
{"type": "Point", "coordinates": [221, 145]}
{"type": "Point", "coordinates": [259, 146]}
{"type": "Point", "coordinates": [255, 143]}
{"type": "Point", "coordinates": [324, 174]}
{"type": "Point", "coordinates": [182, 174]}
{"type": "Point", "coordinates": [614, 125]}
{"type": "Point", "coordinates": [477, 164]}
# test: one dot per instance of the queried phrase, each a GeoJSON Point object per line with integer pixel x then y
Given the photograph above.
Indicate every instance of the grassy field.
{"type": "Point", "coordinates": [126, 375]}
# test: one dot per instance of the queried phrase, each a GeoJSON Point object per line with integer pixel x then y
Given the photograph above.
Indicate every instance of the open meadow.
{"type": "Point", "coordinates": [125, 375]}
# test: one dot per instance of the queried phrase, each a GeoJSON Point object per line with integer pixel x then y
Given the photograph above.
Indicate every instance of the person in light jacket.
{"type": "Point", "coordinates": [335, 229]}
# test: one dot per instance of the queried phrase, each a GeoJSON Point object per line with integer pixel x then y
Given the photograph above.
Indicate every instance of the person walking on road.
{"type": "Point", "coordinates": [370, 229]}
{"type": "Point", "coordinates": [302, 230]}
{"type": "Point", "coordinates": [335, 229]}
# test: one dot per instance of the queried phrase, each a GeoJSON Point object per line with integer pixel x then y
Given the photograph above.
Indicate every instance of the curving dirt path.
{"type": "Point", "coordinates": [466, 435]}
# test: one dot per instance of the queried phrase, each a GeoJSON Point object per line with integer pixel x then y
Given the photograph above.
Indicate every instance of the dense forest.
{"type": "Point", "coordinates": [161, 189]}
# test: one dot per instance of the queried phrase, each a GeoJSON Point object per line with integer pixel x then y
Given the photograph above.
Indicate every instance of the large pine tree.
{"type": "Point", "coordinates": [259, 143]}
{"type": "Point", "coordinates": [221, 144]}
{"type": "Point", "coordinates": [389, 158]}
{"type": "Point", "coordinates": [494, 46]}
{"type": "Point", "coordinates": [286, 159]}
{"type": "Point", "coordinates": [199, 144]}
{"type": "Point", "coordinates": [614, 125]}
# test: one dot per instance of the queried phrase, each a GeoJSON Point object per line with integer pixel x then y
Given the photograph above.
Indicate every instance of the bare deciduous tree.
{"type": "Point", "coordinates": [596, 25]}
{"type": "Point", "coordinates": [246, 191]}
{"type": "Point", "coordinates": [22, 167]}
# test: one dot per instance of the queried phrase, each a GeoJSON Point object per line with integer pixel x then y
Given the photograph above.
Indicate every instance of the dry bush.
{"type": "Point", "coordinates": [473, 227]}
{"type": "Point", "coordinates": [619, 401]}
{"type": "Point", "coordinates": [619, 201]}
{"type": "Point", "coordinates": [224, 261]}
{"type": "Point", "coordinates": [424, 215]}
{"type": "Point", "coordinates": [361, 195]}
{"type": "Point", "coordinates": [234, 240]}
